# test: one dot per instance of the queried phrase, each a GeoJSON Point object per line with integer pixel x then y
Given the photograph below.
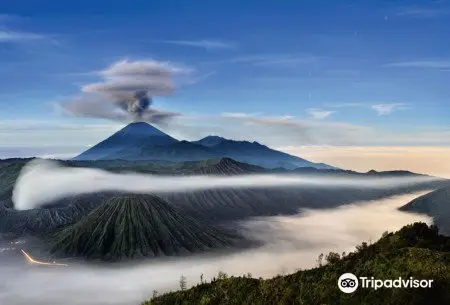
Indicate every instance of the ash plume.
{"type": "Point", "coordinates": [137, 105]}
{"type": "Point", "coordinates": [126, 92]}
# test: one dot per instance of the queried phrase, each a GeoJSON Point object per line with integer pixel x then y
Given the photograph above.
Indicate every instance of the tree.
{"type": "Point", "coordinates": [361, 247]}
{"type": "Point", "coordinates": [155, 294]}
{"type": "Point", "coordinates": [332, 257]}
{"type": "Point", "coordinates": [222, 275]}
{"type": "Point", "coordinates": [320, 260]}
{"type": "Point", "coordinates": [434, 229]}
{"type": "Point", "coordinates": [182, 282]}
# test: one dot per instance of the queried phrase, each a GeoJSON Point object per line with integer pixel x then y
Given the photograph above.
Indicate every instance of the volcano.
{"type": "Point", "coordinates": [141, 141]}
{"type": "Point", "coordinates": [137, 225]}
{"type": "Point", "coordinates": [132, 137]}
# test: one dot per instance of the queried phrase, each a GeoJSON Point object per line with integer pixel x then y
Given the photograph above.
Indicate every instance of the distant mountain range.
{"type": "Point", "coordinates": [140, 141]}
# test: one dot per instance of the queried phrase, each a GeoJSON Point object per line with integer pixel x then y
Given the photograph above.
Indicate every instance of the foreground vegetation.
{"type": "Point", "coordinates": [415, 251]}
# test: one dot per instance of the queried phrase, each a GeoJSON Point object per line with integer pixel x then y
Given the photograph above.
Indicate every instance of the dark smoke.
{"type": "Point", "coordinates": [136, 105]}
{"type": "Point", "coordinates": [125, 92]}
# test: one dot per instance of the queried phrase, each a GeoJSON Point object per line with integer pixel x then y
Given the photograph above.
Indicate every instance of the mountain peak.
{"type": "Point", "coordinates": [132, 137]}
{"type": "Point", "coordinates": [211, 141]}
{"type": "Point", "coordinates": [141, 129]}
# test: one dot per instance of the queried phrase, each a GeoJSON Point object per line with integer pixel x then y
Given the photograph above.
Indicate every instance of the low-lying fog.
{"type": "Point", "coordinates": [43, 181]}
{"type": "Point", "coordinates": [291, 242]}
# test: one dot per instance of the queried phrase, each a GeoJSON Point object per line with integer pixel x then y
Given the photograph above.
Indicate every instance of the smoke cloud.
{"type": "Point", "coordinates": [125, 92]}
{"type": "Point", "coordinates": [42, 181]}
{"type": "Point", "coordinates": [287, 248]}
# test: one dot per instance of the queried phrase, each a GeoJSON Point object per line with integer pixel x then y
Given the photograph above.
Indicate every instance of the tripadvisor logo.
{"type": "Point", "coordinates": [348, 283]}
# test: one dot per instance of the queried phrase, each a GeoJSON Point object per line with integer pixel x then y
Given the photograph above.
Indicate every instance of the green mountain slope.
{"type": "Point", "coordinates": [435, 204]}
{"type": "Point", "coordinates": [416, 251]}
{"type": "Point", "coordinates": [135, 225]}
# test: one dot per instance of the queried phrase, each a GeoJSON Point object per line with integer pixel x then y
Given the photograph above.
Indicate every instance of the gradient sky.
{"type": "Point", "coordinates": [295, 74]}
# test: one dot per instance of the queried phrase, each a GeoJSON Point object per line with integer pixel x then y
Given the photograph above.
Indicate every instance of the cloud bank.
{"type": "Point", "coordinates": [43, 181]}
{"type": "Point", "coordinates": [287, 248]}
{"type": "Point", "coordinates": [300, 132]}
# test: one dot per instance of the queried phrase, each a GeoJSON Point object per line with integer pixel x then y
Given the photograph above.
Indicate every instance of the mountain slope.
{"type": "Point", "coordinates": [135, 225]}
{"type": "Point", "coordinates": [227, 166]}
{"type": "Point", "coordinates": [255, 153]}
{"type": "Point", "coordinates": [436, 205]}
{"type": "Point", "coordinates": [131, 136]}
{"type": "Point", "coordinates": [9, 171]}
{"type": "Point", "coordinates": [173, 152]}
{"type": "Point", "coordinates": [415, 251]}
{"type": "Point", "coordinates": [48, 219]}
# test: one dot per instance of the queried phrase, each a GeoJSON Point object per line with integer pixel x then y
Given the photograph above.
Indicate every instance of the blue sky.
{"type": "Point", "coordinates": [297, 73]}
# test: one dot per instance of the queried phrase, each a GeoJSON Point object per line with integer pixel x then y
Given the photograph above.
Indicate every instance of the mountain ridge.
{"type": "Point", "coordinates": [435, 204]}
{"type": "Point", "coordinates": [142, 141]}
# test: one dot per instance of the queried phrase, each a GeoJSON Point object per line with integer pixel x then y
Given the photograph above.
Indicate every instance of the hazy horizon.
{"type": "Point", "coordinates": [430, 160]}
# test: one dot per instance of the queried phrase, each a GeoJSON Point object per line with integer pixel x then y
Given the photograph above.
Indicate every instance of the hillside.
{"type": "Point", "coordinates": [134, 225]}
{"type": "Point", "coordinates": [241, 203]}
{"type": "Point", "coordinates": [9, 171]}
{"type": "Point", "coordinates": [48, 219]}
{"type": "Point", "coordinates": [226, 166]}
{"type": "Point", "coordinates": [436, 205]}
{"type": "Point", "coordinates": [174, 152]}
{"type": "Point", "coordinates": [416, 251]}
